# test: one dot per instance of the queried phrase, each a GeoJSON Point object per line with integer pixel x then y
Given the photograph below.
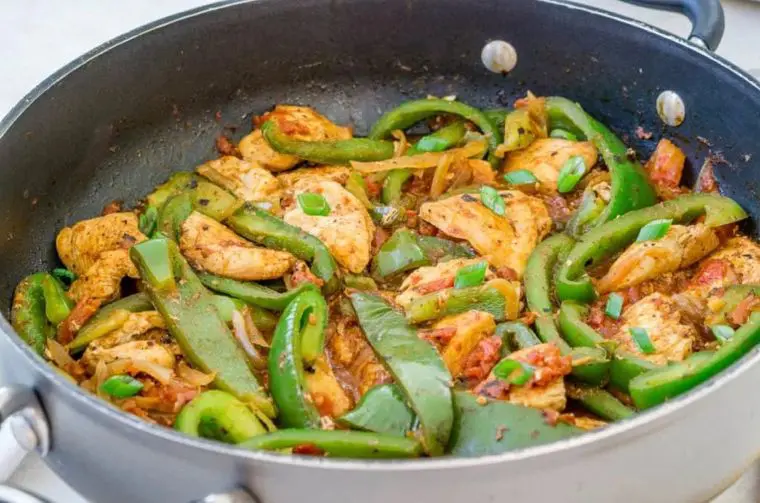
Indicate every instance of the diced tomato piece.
{"type": "Point", "coordinates": [665, 167]}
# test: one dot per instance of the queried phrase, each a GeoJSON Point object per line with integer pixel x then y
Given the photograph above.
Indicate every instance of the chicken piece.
{"type": "Point", "coordinates": [505, 241]}
{"type": "Point", "coordinates": [741, 255]}
{"type": "Point", "coordinates": [587, 423]}
{"type": "Point", "coordinates": [347, 230]}
{"type": "Point", "coordinates": [325, 391]}
{"type": "Point", "coordinates": [671, 335]}
{"type": "Point", "coordinates": [352, 357]}
{"type": "Point", "coordinates": [142, 337]}
{"type": "Point", "coordinates": [681, 247]}
{"type": "Point", "coordinates": [102, 281]}
{"type": "Point", "coordinates": [337, 174]}
{"type": "Point", "coordinates": [81, 245]}
{"type": "Point", "coordinates": [429, 279]}
{"type": "Point", "coordinates": [546, 156]}
{"type": "Point", "coordinates": [300, 123]}
{"type": "Point", "coordinates": [665, 168]}
{"type": "Point", "coordinates": [471, 327]}
{"type": "Point", "coordinates": [546, 388]}
{"type": "Point", "coordinates": [210, 246]}
{"type": "Point", "coordinates": [244, 179]}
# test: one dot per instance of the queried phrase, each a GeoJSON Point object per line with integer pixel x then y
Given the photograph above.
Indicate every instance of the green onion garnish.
{"type": "Point", "coordinates": [571, 173]}
{"type": "Point", "coordinates": [313, 204]}
{"type": "Point", "coordinates": [563, 134]}
{"type": "Point", "coordinates": [64, 275]}
{"type": "Point", "coordinates": [614, 306]}
{"type": "Point", "coordinates": [506, 368]}
{"type": "Point", "coordinates": [121, 386]}
{"type": "Point", "coordinates": [147, 220]}
{"type": "Point", "coordinates": [520, 177]}
{"type": "Point", "coordinates": [654, 230]}
{"type": "Point", "coordinates": [642, 340]}
{"type": "Point", "coordinates": [722, 332]}
{"type": "Point", "coordinates": [492, 200]}
{"type": "Point", "coordinates": [431, 144]}
{"type": "Point", "coordinates": [471, 275]}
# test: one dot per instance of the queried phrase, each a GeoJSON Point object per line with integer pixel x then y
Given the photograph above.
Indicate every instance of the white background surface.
{"type": "Point", "coordinates": [40, 36]}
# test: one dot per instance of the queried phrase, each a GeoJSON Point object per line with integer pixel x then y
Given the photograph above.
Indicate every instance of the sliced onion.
{"type": "Point", "coordinates": [241, 334]}
{"type": "Point", "coordinates": [59, 354]}
{"type": "Point", "coordinates": [401, 145]}
{"type": "Point", "coordinates": [147, 402]}
{"type": "Point", "coordinates": [101, 374]}
{"type": "Point", "coordinates": [194, 377]}
{"type": "Point", "coordinates": [159, 373]}
{"type": "Point", "coordinates": [420, 161]}
{"type": "Point", "coordinates": [119, 366]}
{"type": "Point", "coordinates": [438, 185]}
{"type": "Point", "coordinates": [254, 334]}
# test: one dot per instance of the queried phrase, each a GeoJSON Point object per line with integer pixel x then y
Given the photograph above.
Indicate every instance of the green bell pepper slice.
{"type": "Point", "coordinates": [338, 443]}
{"type": "Point", "coordinates": [269, 231]}
{"type": "Point", "coordinates": [382, 409]}
{"type": "Point", "coordinates": [573, 283]}
{"type": "Point", "coordinates": [301, 326]}
{"type": "Point", "coordinates": [516, 335]}
{"type": "Point", "coordinates": [28, 313]}
{"type": "Point", "coordinates": [625, 367]}
{"type": "Point", "coordinates": [398, 254]}
{"type": "Point", "coordinates": [173, 214]}
{"type": "Point", "coordinates": [600, 402]}
{"type": "Point", "coordinates": [657, 386]}
{"type": "Point", "coordinates": [253, 293]}
{"type": "Point", "coordinates": [57, 303]}
{"type": "Point", "coordinates": [574, 329]}
{"type": "Point", "coordinates": [630, 185]}
{"type": "Point", "coordinates": [415, 365]}
{"type": "Point", "coordinates": [192, 319]}
{"type": "Point", "coordinates": [539, 272]}
{"type": "Point", "coordinates": [104, 321]}
{"type": "Point", "coordinates": [218, 415]}
{"type": "Point", "coordinates": [409, 113]}
{"type": "Point", "coordinates": [498, 426]}
{"type": "Point", "coordinates": [435, 305]}
{"type": "Point", "coordinates": [327, 151]}
{"type": "Point", "coordinates": [206, 197]}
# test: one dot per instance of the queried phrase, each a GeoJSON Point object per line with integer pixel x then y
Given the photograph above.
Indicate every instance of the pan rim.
{"type": "Point", "coordinates": [115, 419]}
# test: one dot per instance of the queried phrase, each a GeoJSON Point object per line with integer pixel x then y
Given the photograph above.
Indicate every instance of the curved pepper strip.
{"type": "Point", "coordinates": [445, 138]}
{"type": "Point", "coordinates": [173, 213]}
{"type": "Point", "coordinates": [57, 304]}
{"type": "Point", "coordinates": [573, 283]}
{"type": "Point", "coordinates": [516, 335]}
{"type": "Point", "coordinates": [302, 323]}
{"type": "Point", "coordinates": [261, 227]}
{"type": "Point", "coordinates": [253, 293]}
{"type": "Point", "coordinates": [109, 318]}
{"type": "Point", "coordinates": [600, 402]}
{"type": "Point", "coordinates": [382, 409]}
{"type": "Point", "coordinates": [574, 329]}
{"type": "Point", "coordinates": [538, 289]}
{"type": "Point", "coordinates": [327, 151]}
{"type": "Point", "coordinates": [630, 185]}
{"type": "Point", "coordinates": [207, 197]}
{"type": "Point", "coordinates": [28, 313]}
{"type": "Point", "coordinates": [409, 113]}
{"type": "Point", "coordinates": [191, 317]}
{"type": "Point", "coordinates": [263, 319]}
{"type": "Point", "coordinates": [626, 366]}
{"type": "Point", "coordinates": [657, 386]}
{"type": "Point", "coordinates": [498, 116]}
{"type": "Point", "coordinates": [486, 298]}
{"type": "Point", "coordinates": [218, 415]}
{"type": "Point", "coordinates": [338, 443]}
{"type": "Point", "coordinates": [415, 365]}
{"type": "Point", "coordinates": [499, 426]}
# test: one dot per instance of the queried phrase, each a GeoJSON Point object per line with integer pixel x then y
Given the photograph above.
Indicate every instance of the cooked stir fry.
{"type": "Point", "coordinates": [510, 278]}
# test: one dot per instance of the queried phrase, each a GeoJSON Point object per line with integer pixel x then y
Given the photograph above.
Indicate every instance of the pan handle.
{"type": "Point", "coordinates": [23, 428]}
{"type": "Point", "coordinates": [706, 16]}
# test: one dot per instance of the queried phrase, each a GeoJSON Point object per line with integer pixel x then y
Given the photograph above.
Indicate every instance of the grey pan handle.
{"type": "Point", "coordinates": [707, 18]}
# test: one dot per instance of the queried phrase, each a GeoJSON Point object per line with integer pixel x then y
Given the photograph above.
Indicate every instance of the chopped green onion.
{"type": "Point", "coordinates": [506, 368]}
{"type": "Point", "coordinates": [520, 177]}
{"type": "Point", "coordinates": [432, 143]}
{"type": "Point", "coordinates": [492, 200]}
{"type": "Point", "coordinates": [121, 386]}
{"type": "Point", "coordinates": [313, 204]}
{"type": "Point", "coordinates": [722, 332]}
{"type": "Point", "coordinates": [563, 134]}
{"type": "Point", "coordinates": [147, 220]}
{"type": "Point", "coordinates": [571, 173]}
{"type": "Point", "coordinates": [642, 340]}
{"type": "Point", "coordinates": [654, 230]}
{"type": "Point", "coordinates": [614, 306]}
{"type": "Point", "coordinates": [64, 275]}
{"type": "Point", "coordinates": [471, 275]}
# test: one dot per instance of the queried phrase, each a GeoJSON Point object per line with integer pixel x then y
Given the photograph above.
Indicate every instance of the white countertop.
{"type": "Point", "coordinates": [40, 36]}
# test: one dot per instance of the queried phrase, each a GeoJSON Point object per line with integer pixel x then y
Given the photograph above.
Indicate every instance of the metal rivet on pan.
{"type": "Point", "coordinates": [499, 56]}
{"type": "Point", "coordinates": [671, 108]}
